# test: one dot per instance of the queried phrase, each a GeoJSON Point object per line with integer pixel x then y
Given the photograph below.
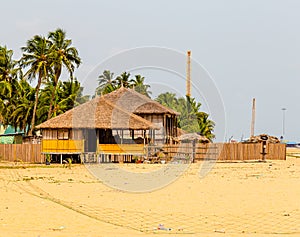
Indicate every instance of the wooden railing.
{"type": "Point", "coordinates": [62, 146]}
{"type": "Point", "coordinates": [121, 148]}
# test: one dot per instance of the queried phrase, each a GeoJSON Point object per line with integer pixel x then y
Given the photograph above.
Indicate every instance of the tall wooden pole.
{"type": "Point", "coordinates": [188, 74]}
{"type": "Point", "coordinates": [253, 118]}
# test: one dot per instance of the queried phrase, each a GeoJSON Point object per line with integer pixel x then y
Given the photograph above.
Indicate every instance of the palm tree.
{"type": "Point", "coordinates": [37, 57]}
{"type": "Point", "coordinates": [206, 126]}
{"type": "Point", "coordinates": [168, 99]}
{"type": "Point", "coordinates": [21, 105]}
{"type": "Point", "coordinates": [106, 83]}
{"type": "Point", "coordinates": [140, 86]}
{"type": "Point", "coordinates": [67, 95]}
{"type": "Point", "coordinates": [8, 85]}
{"type": "Point", "coordinates": [8, 72]}
{"type": "Point", "coordinates": [63, 55]}
{"type": "Point", "coordinates": [191, 119]}
{"type": "Point", "coordinates": [123, 80]}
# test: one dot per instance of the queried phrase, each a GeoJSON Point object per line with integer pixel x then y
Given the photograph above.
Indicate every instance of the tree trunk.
{"type": "Point", "coordinates": [57, 75]}
{"type": "Point", "coordinates": [35, 106]}
{"type": "Point", "coordinates": [51, 102]}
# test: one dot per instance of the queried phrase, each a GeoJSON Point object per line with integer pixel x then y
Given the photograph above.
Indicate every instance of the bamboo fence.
{"type": "Point", "coordinates": [216, 151]}
{"type": "Point", "coordinates": [21, 153]}
{"type": "Point", "coordinates": [226, 151]}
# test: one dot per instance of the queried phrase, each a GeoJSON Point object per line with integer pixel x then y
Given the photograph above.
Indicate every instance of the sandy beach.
{"type": "Point", "coordinates": [233, 199]}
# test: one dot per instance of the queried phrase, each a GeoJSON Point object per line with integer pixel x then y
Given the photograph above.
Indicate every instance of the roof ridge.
{"type": "Point", "coordinates": [149, 100]}
{"type": "Point", "coordinates": [129, 113]}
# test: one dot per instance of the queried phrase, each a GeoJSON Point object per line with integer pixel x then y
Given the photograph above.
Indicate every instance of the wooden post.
{"type": "Point", "coordinates": [61, 159]}
{"type": "Point", "coordinates": [253, 118]}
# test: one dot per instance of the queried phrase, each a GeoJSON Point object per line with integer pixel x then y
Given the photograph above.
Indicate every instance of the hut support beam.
{"type": "Point", "coordinates": [61, 161]}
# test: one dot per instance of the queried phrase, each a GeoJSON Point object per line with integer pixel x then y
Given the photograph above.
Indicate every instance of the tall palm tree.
{"type": "Point", "coordinates": [106, 83]}
{"type": "Point", "coordinates": [62, 55]}
{"type": "Point", "coordinates": [140, 86]}
{"type": "Point", "coordinates": [37, 58]}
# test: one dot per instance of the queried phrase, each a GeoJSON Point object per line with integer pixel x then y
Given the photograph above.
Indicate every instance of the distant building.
{"type": "Point", "coordinates": [10, 135]}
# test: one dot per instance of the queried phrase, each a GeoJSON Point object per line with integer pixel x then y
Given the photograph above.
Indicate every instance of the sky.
{"type": "Point", "coordinates": [247, 49]}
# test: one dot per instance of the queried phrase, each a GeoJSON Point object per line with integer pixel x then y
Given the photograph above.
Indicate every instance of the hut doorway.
{"type": "Point", "coordinates": [90, 143]}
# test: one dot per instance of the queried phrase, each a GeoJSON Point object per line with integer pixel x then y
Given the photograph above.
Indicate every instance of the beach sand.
{"type": "Point", "coordinates": [233, 199]}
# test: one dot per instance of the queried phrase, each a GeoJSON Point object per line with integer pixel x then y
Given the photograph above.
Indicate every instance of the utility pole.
{"type": "Point", "coordinates": [188, 74]}
{"type": "Point", "coordinates": [253, 118]}
{"type": "Point", "coordinates": [283, 122]}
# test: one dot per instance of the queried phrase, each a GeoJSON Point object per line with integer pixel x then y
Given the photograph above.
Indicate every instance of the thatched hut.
{"type": "Point", "coordinates": [95, 127]}
{"type": "Point", "coordinates": [119, 123]}
{"type": "Point", "coordinates": [136, 103]}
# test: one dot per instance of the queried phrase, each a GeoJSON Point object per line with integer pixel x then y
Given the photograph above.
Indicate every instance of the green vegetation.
{"type": "Point", "coordinates": [107, 83]}
{"type": "Point", "coordinates": [191, 119]}
{"type": "Point", "coordinates": [43, 61]}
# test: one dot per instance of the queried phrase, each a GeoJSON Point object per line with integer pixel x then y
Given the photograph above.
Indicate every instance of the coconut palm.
{"type": "Point", "coordinates": [37, 58]}
{"type": "Point", "coordinates": [106, 84]}
{"type": "Point", "coordinates": [168, 99]}
{"type": "Point", "coordinates": [140, 86]}
{"type": "Point", "coordinates": [191, 119]}
{"type": "Point", "coordinates": [21, 106]}
{"type": "Point", "coordinates": [8, 72]}
{"type": "Point", "coordinates": [62, 55]}
{"type": "Point", "coordinates": [67, 95]}
{"type": "Point", "coordinates": [206, 126]}
{"type": "Point", "coordinates": [124, 81]}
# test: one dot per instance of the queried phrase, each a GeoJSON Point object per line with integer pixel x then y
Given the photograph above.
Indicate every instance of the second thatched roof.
{"type": "Point", "coordinates": [137, 103]}
{"type": "Point", "coordinates": [193, 137]}
{"type": "Point", "coordinates": [98, 113]}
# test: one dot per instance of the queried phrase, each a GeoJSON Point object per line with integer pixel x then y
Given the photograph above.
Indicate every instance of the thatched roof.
{"type": "Point", "coordinates": [193, 137]}
{"type": "Point", "coordinates": [181, 132]}
{"type": "Point", "coordinates": [137, 103]}
{"type": "Point", "coordinates": [98, 113]}
{"type": "Point", "coordinates": [263, 137]}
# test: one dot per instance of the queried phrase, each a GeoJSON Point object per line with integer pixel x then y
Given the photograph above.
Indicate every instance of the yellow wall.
{"type": "Point", "coordinates": [62, 146]}
{"type": "Point", "coordinates": [121, 148]}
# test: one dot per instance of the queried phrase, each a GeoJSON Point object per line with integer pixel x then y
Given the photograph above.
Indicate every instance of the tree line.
{"type": "Point", "coordinates": [43, 60]}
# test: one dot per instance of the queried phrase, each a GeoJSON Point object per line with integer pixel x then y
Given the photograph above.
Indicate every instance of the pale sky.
{"type": "Point", "coordinates": [250, 48]}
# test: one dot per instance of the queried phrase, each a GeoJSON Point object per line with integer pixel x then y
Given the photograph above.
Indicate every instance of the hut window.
{"type": "Point", "coordinates": [63, 134]}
